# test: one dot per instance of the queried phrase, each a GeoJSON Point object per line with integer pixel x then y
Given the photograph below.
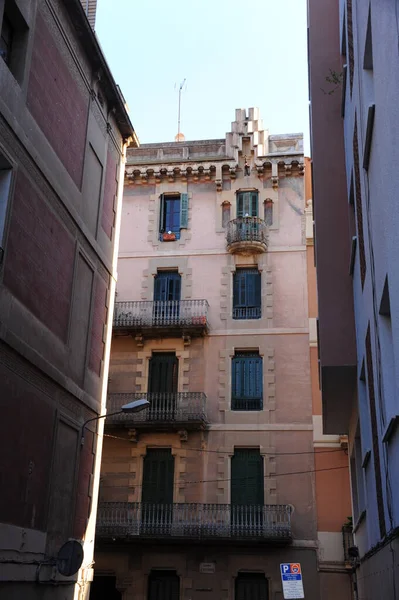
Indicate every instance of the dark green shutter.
{"type": "Point", "coordinates": [165, 585]}
{"type": "Point", "coordinates": [247, 484]}
{"type": "Point", "coordinates": [158, 476]}
{"type": "Point", "coordinates": [240, 205]}
{"type": "Point", "coordinates": [247, 381]}
{"type": "Point", "coordinates": [251, 586]}
{"type": "Point", "coordinates": [162, 214]}
{"type": "Point", "coordinates": [163, 373]}
{"type": "Point", "coordinates": [183, 211]}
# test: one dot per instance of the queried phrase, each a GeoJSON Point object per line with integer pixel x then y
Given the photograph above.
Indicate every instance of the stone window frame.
{"type": "Point", "coordinates": [164, 263]}
{"type": "Point", "coordinates": [155, 214]}
{"type": "Point", "coordinates": [136, 465]}
{"type": "Point", "coordinates": [226, 296]}
{"type": "Point", "coordinates": [225, 374]}
{"type": "Point", "coordinates": [224, 471]}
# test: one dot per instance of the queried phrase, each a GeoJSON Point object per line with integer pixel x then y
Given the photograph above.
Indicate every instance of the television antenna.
{"type": "Point", "coordinates": [181, 86]}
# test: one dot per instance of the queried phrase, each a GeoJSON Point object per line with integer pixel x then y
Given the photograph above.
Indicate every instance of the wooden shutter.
{"type": "Point", "coordinates": [251, 586]}
{"type": "Point", "coordinates": [162, 213]}
{"type": "Point", "coordinates": [247, 381]}
{"type": "Point", "coordinates": [164, 585]}
{"type": "Point", "coordinates": [158, 476]}
{"type": "Point", "coordinates": [167, 286]}
{"type": "Point", "coordinates": [163, 373]}
{"type": "Point", "coordinates": [247, 485]}
{"type": "Point", "coordinates": [254, 204]}
{"type": "Point", "coordinates": [183, 211]}
{"type": "Point", "coordinates": [240, 205]}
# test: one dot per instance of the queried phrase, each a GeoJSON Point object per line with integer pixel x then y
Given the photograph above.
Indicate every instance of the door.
{"type": "Point", "coordinates": [164, 585]}
{"type": "Point", "coordinates": [251, 586]}
{"type": "Point", "coordinates": [247, 492]}
{"type": "Point", "coordinates": [157, 491]}
{"type": "Point", "coordinates": [247, 209]}
{"type": "Point", "coordinates": [167, 288]}
{"type": "Point", "coordinates": [162, 386]}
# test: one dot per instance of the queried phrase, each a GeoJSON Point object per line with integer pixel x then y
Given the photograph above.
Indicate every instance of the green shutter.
{"type": "Point", "coordinates": [163, 373]}
{"type": "Point", "coordinates": [161, 214]}
{"type": "Point", "coordinates": [158, 475]}
{"type": "Point", "coordinates": [183, 211]}
{"type": "Point", "coordinates": [247, 485]}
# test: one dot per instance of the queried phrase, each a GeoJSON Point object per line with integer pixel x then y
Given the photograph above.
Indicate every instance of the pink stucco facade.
{"type": "Point", "coordinates": [213, 174]}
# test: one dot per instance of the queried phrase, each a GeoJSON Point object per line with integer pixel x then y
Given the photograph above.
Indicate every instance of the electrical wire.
{"type": "Point", "coordinates": [332, 451]}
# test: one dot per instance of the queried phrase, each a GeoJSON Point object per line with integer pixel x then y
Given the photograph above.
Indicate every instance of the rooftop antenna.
{"type": "Point", "coordinates": [178, 115]}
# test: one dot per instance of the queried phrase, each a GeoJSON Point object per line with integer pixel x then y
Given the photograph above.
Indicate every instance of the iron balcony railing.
{"type": "Point", "coordinates": [247, 312]}
{"type": "Point", "coordinates": [180, 407]}
{"type": "Point", "coordinates": [194, 521]}
{"type": "Point", "coordinates": [247, 229]}
{"type": "Point", "coordinates": [168, 313]}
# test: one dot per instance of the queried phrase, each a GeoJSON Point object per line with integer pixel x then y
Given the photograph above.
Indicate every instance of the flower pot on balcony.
{"type": "Point", "coordinates": [169, 237]}
{"type": "Point", "coordinates": [199, 320]}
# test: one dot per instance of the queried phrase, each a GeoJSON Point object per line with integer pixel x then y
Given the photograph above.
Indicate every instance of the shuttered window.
{"type": "Point", "coordinates": [247, 381]}
{"type": "Point", "coordinates": [158, 474]}
{"type": "Point", "coordinates": [167, 288]}
{"type": "Point", "coordinates": [247, 478]}
{"type": "Point", "coordinates": [173, 214]}
{"type": "Point", "coordinates": [251, 586]}
{"type": "Point", "coordinates": [247, 204]}
{"type": "Point", "coordinates": [247, 294]}
{"type": "Point", "coordinates": [164, 585]}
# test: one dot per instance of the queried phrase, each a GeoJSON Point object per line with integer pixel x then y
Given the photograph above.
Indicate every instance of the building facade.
{"type": "Point", "coordinates": [207, 492]}
{"type": "Point", "coordinates": [354, 81]}
{"type": "Point", "coordinates": [63, 134]}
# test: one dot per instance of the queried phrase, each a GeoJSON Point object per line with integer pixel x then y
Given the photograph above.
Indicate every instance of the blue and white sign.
{"type": "Point", "coordinates": [291, 577]}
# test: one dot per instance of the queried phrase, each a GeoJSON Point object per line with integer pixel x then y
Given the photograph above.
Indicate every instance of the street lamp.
{"type": "Point", "coordinates": [131, 407]}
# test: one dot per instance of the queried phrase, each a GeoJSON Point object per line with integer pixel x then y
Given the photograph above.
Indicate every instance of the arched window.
{"type": "Point", "coordinates": [268, 204]}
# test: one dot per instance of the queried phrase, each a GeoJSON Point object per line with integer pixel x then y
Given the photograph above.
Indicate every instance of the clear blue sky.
{"type": "Point", "coordinates": [234, 54]}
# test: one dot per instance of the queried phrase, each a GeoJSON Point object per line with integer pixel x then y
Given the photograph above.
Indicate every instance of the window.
{"type": "Point", "coordinates": [13, 39]}
{"type": "Point", "coordinates": [174, 216]}
{"type": "Point", "coordinates": [247, 491]}
{"type": "Point", "coordinates": [247, 294]}
{"type": "Point", "coordinates": [251, 586]}
{"type": "Point", "coordinates": [167, 287]}
{"type": "Point", "coordinates": [164, 585]}
{"type": "Point", "coordinates": [5, 184]}
{"type": "Point", "coordinates": [6, 40]}
{"type": "Point", "coordinates": [247, 204]}
{"type": "Point", "coordinates": [157, 490]}
{"type": "Point", "coordinates": [225, 213]}
{"type": "Point", "coordinates": [358, 496]}
{"type": "Point", "coordinates": [268, 206]}
{"type": "Point", "coordinates": [359, 206]}
{"type": "Point", "coordinates": [247, 381]}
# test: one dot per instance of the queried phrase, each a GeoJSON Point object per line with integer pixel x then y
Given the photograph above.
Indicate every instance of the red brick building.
{"type": "Point", "coordinates": [63, 134]}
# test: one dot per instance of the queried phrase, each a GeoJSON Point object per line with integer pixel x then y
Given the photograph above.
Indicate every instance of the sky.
{"type": "Point", "coordinates": [232, 53]}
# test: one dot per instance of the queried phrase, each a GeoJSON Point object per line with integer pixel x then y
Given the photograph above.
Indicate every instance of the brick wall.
{"type": "Point", "coordinates": [56, 102]}
{"type": "Point", "coordinates": [110, 186]}
{"type": "Point", "coordinates": [39, 259]}
{"type": "Point", "coordinates": [99, 319]}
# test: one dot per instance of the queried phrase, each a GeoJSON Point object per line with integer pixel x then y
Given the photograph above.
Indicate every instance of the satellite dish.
{"type": "Point", "coordinates": [70, 558]}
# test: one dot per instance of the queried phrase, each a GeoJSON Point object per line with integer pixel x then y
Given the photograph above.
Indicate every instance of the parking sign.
{"type": "Point", "coordinates": [291, 577]}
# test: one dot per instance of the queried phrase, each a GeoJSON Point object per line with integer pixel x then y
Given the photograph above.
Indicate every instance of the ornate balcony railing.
{"type": "Point", "coordinates": [185, 314]}
{"type": "Point", "coordinates": [247, 234]}
{"type": "Point", "coordinates": [182, 408]}
{"type": "Point", "coordinates": [132, 520]}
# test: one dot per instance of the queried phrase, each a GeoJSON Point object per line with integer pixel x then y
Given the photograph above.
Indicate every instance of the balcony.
{"type": "Point", "coordinates": [129, 521]}
{"type": "Point", "coordinates": [162, 318]}
{"type": "Point", "coordinates": [182, 409]}
{"type": "Point", "coordinates": [247, 235]}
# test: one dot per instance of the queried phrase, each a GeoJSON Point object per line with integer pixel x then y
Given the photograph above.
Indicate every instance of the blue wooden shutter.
{"type": "Point", "coordinates": [253, 288]}
{"type": "Point", "coordinates": [167, 286]}
{"type": "Point", "coordinates": [162, 214]}
{"type": "Point", "coordinates": [183, 211]}
{"type": "Point", "coordinates": [247, 381]}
